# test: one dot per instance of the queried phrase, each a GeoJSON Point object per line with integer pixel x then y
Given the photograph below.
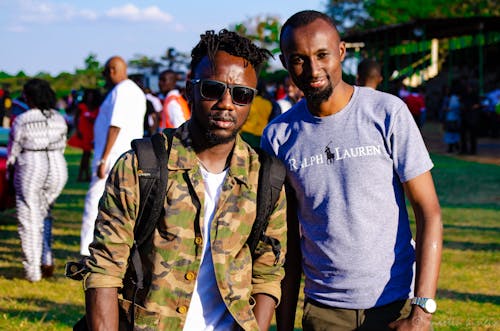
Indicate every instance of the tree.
{"type": "Point", "coordinates": [175, 60]}
{"type": "Point", "coordinates": [263, 30]}
{"type": "Point", "coordinates": [353, 15]}
{"type": "Point", "coordinates": [350, 15]}
{"type": "Point", "coordinates": [142, 62]}
{"type": "Point", "coordinates": [91, 63]}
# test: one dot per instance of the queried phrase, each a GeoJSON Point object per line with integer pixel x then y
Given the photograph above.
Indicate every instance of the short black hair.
{"type": "Point", "coordinates": [167, 71]}
{"type": "Point", "coordinates": [40, 94]}
{"type": "Point", "coordinates": [368, 68]}
{"type": "Point", "coordinates": [230, 42]}
{"type": "Point", "coordinates": [303, 18]}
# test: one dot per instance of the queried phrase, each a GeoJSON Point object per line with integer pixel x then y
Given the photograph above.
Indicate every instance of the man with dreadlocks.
{"type": "Point", "coordinates": [202, 275]}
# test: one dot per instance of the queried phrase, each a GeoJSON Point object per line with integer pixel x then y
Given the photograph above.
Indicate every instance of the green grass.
{"type": "Point", "coordinates": [469, 286]}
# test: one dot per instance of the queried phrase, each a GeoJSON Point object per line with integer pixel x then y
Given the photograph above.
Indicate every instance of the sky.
{"type": "Point", "coordinates": [56, 36]}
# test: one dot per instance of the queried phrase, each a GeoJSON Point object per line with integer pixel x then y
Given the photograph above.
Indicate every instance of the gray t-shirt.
{"type": "Point", "coordinates": [346, 170]}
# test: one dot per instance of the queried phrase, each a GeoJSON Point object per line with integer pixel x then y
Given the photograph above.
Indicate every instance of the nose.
{"type": "Point", "coordinates": [226, 100]}
{"type": "Point", "coordinates": [315, 67]}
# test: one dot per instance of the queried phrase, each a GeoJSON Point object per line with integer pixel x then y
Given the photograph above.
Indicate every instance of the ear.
{"type": "Point", "coordinates": [342, 50]}
{"type": "Point", "coordinates": [283, 62]}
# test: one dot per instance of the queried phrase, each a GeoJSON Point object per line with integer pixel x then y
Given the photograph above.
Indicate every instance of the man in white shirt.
{"type": "Point", "coordinates": [120, 120]}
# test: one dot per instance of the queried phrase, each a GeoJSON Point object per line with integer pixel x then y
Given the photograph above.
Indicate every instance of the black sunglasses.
{"type": "Point", "coordinates": [214, 90]}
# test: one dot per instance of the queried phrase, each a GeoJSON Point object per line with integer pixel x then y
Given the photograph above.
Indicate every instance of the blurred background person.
{"type": "Point", "coordinates": [292, 95]}
{"type": "Point", "coordinates": [83, 136]}
{"type": "Point", "coordinates": [452, 120]}
{"type": "Point", "coordinates": [369, 74]}
{"type": "Point", "coordinates": [261, 111]}
{"type": "Point", "coordinates": [36, 151]}
{"type": "Point", "coordinates": [416, 104]}
{"type": "Point", "coordinates": [154, 110]}
{"type": "Point", "coordinates": [470, 116]}
{"type": "Point", "coordinates": [175, 107]}
{"type": "Point", "coordinates": [5, 104]}
{"type": "Point", "coordinates": [154, 107]}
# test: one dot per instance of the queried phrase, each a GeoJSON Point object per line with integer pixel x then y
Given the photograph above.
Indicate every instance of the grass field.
{"type": "Point", "coordinates": [469, 286]}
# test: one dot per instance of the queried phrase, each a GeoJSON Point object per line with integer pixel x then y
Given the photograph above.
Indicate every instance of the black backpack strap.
{"type": "Point", "coordinates": [153, 175]}
{"type": "Point", "coordinates": [271, 178]}
{"type": "Point", "coordinates": [152, 170]}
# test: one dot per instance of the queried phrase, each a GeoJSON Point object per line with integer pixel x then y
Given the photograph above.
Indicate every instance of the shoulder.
{"type": "Point", "coordinates": [127, 86]}
{"type": "Point", "coordinates": [27, 116]}
{"type": "Point", "coordinates": [378, 103]}
{"type": "Point", "coordinates": [387, 98]}
{"type": "Point", "coordinates": [124, 170]}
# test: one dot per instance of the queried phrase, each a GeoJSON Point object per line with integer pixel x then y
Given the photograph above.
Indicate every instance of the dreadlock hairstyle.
{"type": "Point", "coordinates": [230, 42]}
{"type": "Point", "coordinates": [303, 18]}
{"type": "Point", "coordinates": [40, 94]}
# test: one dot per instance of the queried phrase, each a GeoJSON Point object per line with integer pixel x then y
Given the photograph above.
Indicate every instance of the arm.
{"type": "Point", "coordinates": [429, 241]}
{"type": "Point", "coordinates": [101, 305]}
{"type": "Point", "coordinates": [290, 285]}
{"type": "Point", "coordinates": [110, 141]}
{"type": "Point", "coordinates": [264, 310]}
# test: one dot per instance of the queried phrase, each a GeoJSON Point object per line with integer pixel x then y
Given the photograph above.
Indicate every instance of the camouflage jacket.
{"type": "Point", "coordinates": [177, 241]}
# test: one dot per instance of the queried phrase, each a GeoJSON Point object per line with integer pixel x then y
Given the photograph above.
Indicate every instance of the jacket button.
{"type": "Point", "coordinates": [198, 240]}
{"type": "Point", "coordinates": [190, 275]}
{"type": "Point", "coordinates": [182, 309]}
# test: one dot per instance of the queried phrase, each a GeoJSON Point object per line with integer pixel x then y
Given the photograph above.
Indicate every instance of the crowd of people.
{"type": "Point", "coordinates": [352, 154]}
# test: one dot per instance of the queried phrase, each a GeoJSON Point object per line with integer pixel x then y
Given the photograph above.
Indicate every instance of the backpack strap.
{"type": "Point", "coordinates": [271, 178]}
{"type": "Point", "coordinates": [152, 170]}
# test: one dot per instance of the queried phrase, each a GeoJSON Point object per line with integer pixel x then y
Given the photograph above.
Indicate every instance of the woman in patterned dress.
{"type": "Point", "coordinates": [36, 151]}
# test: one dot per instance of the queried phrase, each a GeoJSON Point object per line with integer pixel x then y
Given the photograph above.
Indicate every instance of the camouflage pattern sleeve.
{"type": "Point", "coordinates": [114, 235]}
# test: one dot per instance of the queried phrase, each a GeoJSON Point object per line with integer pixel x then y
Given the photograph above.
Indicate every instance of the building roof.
{"type": "Point", "coordinates": [426, 29]}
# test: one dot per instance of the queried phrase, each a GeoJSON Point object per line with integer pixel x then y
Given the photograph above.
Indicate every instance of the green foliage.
{"type": "Point", "coordinates": [89, 76]}
{"type": "Point", "coordinates": [142, 61]}
{"type": "Point", "coordinates": [263, 30]}
{"type": "Point", "coordinates": [353, 15]}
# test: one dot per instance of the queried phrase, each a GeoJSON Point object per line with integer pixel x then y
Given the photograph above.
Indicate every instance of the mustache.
{"type": "Point", "coordinates": [222, 117]}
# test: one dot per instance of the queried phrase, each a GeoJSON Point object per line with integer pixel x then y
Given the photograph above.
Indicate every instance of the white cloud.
{"type": "Point", "coordinates": [49, 12]}
{"type": "Point", "coordinates": [130, 12]}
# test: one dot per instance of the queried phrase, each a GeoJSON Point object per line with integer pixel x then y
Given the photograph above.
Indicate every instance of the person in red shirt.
{"type": "Point", "coordinates": [416, 103]}
{"type": "Point", "coordinates": [83, 137]}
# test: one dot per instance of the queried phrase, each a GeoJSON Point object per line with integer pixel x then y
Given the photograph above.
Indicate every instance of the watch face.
{"type": "Point", "coordinates": [430, 306]}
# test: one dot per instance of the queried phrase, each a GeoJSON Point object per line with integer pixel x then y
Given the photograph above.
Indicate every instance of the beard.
{"type": "Point", "coordinates": [315, 96]}
{"type": "Point", "coordinates": [212, 138]}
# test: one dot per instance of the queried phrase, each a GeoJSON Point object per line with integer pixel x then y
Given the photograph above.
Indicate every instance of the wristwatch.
{"type": "Point", "coordinates": [427, 304]}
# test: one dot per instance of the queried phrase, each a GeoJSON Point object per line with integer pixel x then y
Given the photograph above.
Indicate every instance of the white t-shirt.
{"type": "Point", "coordinates": [124, 107]}
{"type": "Point", "coordinates": [207, 311]}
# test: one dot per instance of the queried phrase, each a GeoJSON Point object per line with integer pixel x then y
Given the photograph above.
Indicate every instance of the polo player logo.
{"type": "Point", "coordinates": [329, 155]}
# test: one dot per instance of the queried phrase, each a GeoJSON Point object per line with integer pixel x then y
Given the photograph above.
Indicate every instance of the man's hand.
{"type": "Point", "coordinates": [417, 321]}
{"type": "Point", "coordinates": [101, 170]}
